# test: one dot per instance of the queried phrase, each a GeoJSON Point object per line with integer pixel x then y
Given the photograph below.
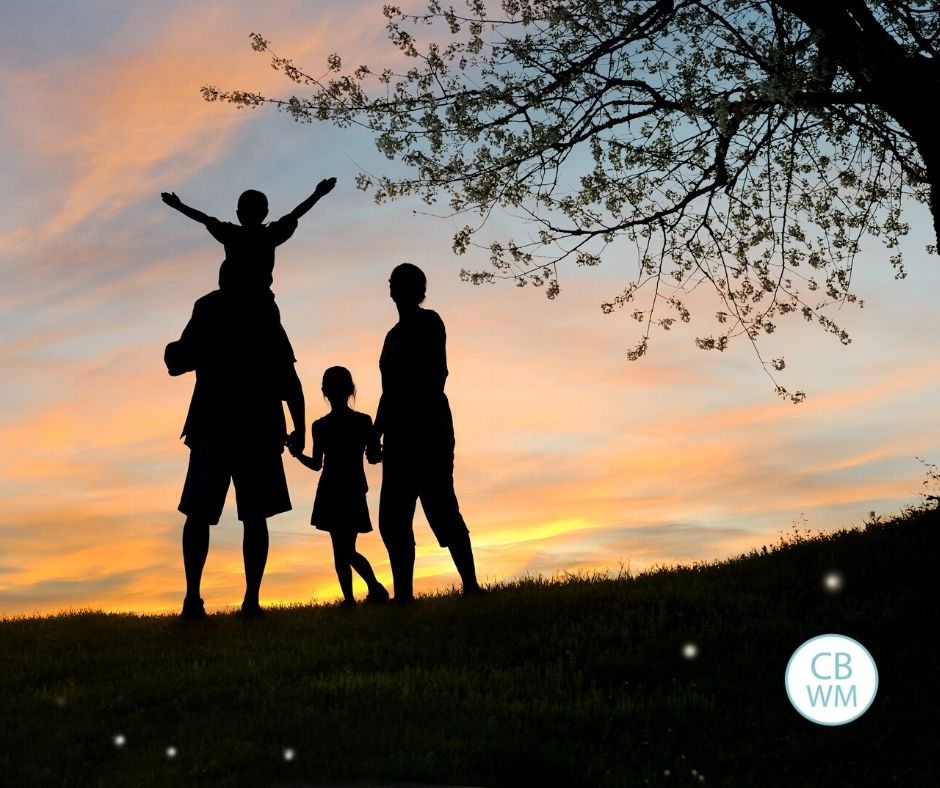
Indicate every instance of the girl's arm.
{"type": "Point", "coordinates": [171, 199]}
{"type": "Point", "coordinates": [315, 461]}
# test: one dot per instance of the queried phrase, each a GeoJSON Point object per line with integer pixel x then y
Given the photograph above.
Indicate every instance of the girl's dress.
{"type": "Point", "coordinates": [340, 504]}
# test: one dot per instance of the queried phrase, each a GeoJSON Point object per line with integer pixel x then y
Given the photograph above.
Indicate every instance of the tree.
{"type": "Point", "coordinates": [749, 146]}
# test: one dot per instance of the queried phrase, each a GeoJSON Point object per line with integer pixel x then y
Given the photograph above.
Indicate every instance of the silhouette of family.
{"type": "Point", "coordinates": [236, 430]}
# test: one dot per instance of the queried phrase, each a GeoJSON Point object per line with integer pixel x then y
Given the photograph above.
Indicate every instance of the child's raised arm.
{"type": "Point", "coordinates": [324, 187]}
{"type": "Point", "coordinates": [171, 199]}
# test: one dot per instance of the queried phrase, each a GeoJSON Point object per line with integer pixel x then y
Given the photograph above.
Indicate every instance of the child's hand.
{"type": "Point", "coordinates": [171, 199]}
{"type": "Point", "coordinates": [325, 187]}
{"type": "Point", "coordinates": [374, 455]}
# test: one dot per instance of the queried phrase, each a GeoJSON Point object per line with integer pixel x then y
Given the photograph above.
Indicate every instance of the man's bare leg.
{"type": "Point", "coordinates": [195, 551]}
{"type": "Point", "coordinates": [255, 553]}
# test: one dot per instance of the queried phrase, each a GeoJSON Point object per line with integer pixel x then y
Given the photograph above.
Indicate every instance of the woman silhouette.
{"type": "Point", "coordinates": [415, 421]}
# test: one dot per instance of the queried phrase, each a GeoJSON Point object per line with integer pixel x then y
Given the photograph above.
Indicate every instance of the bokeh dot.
{"type": "Point", "coordinates": [833, 581]}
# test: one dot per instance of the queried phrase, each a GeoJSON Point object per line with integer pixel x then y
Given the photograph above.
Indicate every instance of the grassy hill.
{"type": "Point", "coordinates": [579, 681]}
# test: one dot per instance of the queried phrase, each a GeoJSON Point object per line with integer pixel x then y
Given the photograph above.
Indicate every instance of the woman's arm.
{"type": "Point", "coordinates": [374, 444]}
{"type": "Point", "coordinates": [374, 440]}
{"type": "Point", "coordinates": [433, 354]}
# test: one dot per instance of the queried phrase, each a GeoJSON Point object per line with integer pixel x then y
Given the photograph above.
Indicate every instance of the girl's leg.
{"type": "Point", "coordinates": [343, 550]}
{"type": "Point", "coordinates": [361, 564]}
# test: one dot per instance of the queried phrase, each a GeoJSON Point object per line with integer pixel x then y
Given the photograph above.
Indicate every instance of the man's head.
{"type": "Point", "coordinates": [252, 207]}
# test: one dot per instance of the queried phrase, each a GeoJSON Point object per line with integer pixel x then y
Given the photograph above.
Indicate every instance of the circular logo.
{"type": "Point", "coordinates": [831, 679]}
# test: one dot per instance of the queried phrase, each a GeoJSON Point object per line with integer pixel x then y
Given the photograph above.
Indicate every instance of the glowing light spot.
{"type": "Point", "coordinates": [833, 581]}
{"type": "Point", "coordinates": [690, 651]}
{"type": "Point", "coordinates": [119, 740]}
{"type": "Point", "coordinates": [171, 752]}
{"type": "Point", "coordinates": [289, 754]}
{"type": "Point", "coordinates": [60, 701]}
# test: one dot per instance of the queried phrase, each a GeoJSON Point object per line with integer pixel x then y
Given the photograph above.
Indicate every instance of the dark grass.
{"type": "Point", "coordinates": [579, 681]}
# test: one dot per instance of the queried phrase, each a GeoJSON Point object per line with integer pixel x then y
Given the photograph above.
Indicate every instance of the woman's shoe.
{"type": "Point", "coordinates": [251, 610]}
{"type": "Point", "coordinates": [193, 610]}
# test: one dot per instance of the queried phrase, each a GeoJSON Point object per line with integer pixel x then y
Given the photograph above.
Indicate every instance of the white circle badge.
{"type": "Point", "coordinates": [831, 679]}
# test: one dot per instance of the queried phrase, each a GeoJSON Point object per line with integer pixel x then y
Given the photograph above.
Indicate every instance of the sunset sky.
{"type": "Point", "coordinates": [569, 457]}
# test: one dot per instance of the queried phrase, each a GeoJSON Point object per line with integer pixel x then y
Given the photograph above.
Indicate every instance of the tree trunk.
{"type": "Point", "coordinates": [900, 83]}
{"type": "Point", "coordinates": [915, 88]}
{"type": "Point", "coordinates": [933, 175]}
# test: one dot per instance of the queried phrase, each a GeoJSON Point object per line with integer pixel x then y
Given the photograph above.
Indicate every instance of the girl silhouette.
{"type": "Point", "coordinates": [339, 441]}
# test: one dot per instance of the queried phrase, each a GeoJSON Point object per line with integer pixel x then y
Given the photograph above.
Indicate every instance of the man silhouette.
{"type": "Point", "coordinates": [236, 432]}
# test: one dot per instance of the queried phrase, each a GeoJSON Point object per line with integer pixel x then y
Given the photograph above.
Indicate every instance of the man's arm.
{"type": "Point", "coordinates": [294, 396]}
{"type": "Point", "coordinates": [189, 351]}
{"type": "Point", "coordinates": [324, 187]}
{"type": "Point", "coordinates": [171, 199]}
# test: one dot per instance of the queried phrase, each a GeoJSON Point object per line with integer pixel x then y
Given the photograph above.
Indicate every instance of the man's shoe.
{"type": "Point", "coordinates": [193, 610]}
{"type": "Point", "coordinates": [474, 590]}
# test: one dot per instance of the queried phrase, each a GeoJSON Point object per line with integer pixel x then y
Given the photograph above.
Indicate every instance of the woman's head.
{"type": "Point", "coordinates": [407, 284]}
{"type": "Point", "coordinates": [338, 384]}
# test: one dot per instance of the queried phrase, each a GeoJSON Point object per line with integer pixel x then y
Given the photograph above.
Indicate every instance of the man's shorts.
{"type": "Point", "coordinates": [260, 484]}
